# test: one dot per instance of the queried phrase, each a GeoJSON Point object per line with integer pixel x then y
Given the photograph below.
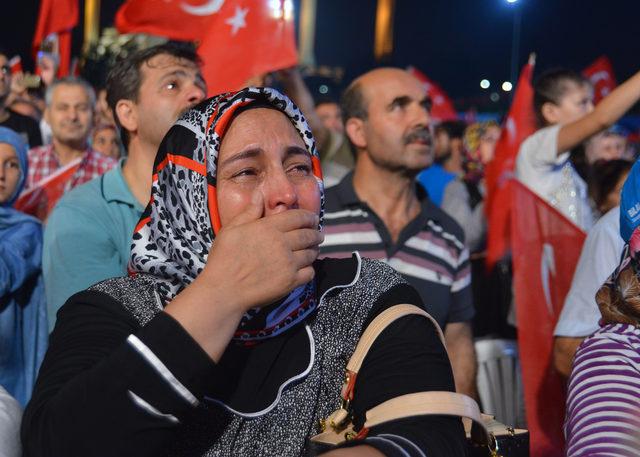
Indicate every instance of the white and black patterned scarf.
{"type": "Point", "coordinates": [172, 240]}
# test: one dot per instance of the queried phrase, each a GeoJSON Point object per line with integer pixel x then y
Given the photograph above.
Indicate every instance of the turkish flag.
{"type": "Point", "coordinates": [186, 20]}
{"type": "Point", "coordinates": [15, 64]}
{"type": "Point", "coordinates": [40, 199]}
{"type": "Point", "coordinates": [57, 17]}
{"type": "Point", "coordinates": [499, 174]}
{"type": "Point", "coordinates": [546, 248]}
{"type": "Point", "coordinates": [600, 73]}
{"type": "Point", "coordinates": [247, 38]}
{"type": "Point", "coordinates": [239, 39]}
{"type": "Point", "coordinates": [442, 107]}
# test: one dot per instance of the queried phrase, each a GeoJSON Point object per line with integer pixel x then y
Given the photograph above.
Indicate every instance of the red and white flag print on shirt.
{"type": "Point", "coordinates": [600, 73]}
{"type": "Point", "coordinates": [239, 39]}
{"type": "Point", "coordinates": [442, 107]}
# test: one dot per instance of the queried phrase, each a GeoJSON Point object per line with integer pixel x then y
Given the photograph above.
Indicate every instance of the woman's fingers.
{"type": "Point", "coordinates": [304, 258]}
{"type": "Point", "coordinates": [293, 219]}
{"type": "Point", "coordinates": [303, 238]}
{"type": "Point", "coordinates": [305, 275]}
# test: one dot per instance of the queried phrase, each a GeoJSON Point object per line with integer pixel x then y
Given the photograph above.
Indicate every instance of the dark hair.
{"type": "Point", "coordinates": [353, 104]}
{"type": "Point", "coordinates": [453, 129]}
{"type": "Point", "coordinates": [551, 86]}
{"type": "Point", "coordinates": [125, 78]}
{"type": "Point", "coordinates": [604, 177]}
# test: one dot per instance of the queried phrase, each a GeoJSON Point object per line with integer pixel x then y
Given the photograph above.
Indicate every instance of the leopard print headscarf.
{"type": "Point", "coordinates": [619, 297]}
{"type": "Point", "coordinates": [172, 240]}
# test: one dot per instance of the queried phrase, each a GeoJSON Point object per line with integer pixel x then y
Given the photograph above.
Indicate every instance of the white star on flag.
{"type": "Point", "coordinates": [238, 20]}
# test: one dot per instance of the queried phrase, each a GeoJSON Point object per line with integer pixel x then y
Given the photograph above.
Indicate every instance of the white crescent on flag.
{"type": "Point", "coordinates": [547, 271]}
{"type": "Point", "coordinates": [206, 9]}
{"type": "Point", "coordinates": [600, 75]}
{"type": "Point", "coordinates": [511, 128]}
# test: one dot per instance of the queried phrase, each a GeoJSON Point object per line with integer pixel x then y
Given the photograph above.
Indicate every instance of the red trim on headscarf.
{"type": "Point", "coordinates": [191, 164]}
{"type": "Point", "coordinates": [160, 166]}
{"type": "Point", "coordinates": [224, 120]}
{"type": "Point", "coordinates": [214, 216]}
{"type": "Point", "coordinates": [183, 162]}
{"type": "Point", "coordinates": [141, 224]}
{"type": "Point", "coordinates": [317, 168]}
{"type": "Point", "coordinates": [212, 117]}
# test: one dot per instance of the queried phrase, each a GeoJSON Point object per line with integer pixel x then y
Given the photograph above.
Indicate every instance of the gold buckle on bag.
{"type": "Point", "coordinates": [493, 446]}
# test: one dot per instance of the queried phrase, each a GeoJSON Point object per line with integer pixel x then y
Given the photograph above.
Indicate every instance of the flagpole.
{"type": "Point", "coordinates": [307, 32]}
{"type": "Point", "coordinates": [91, 23]}
{"type": "Point", "coordinates": [384, 29]}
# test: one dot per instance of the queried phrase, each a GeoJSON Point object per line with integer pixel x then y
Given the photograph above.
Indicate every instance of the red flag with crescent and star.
{"type": "Point", "coordinates": [56, 19]}
{"type": "Point", "coordinates": [546, 247]}
{"type": "Point", "coordinates": [441, 105]}
{"type": "Point", "coordinates": [520, 123]}
{"type": "Point", "coordinates": [600, 73]}
{"type": "Point", "coordinates": [239, 39]}
{"type": "Point", "coordinates": [186, 20]}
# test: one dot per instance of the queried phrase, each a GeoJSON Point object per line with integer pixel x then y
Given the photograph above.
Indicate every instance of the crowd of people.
{"type": "Point", "coordinates": [194, 274]}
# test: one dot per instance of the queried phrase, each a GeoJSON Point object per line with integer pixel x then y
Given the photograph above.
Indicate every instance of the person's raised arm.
{"type": "Point", "coordinates": [607, 113]}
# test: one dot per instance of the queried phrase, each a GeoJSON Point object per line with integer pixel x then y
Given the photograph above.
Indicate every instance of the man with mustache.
{"type": "Point", "coordinates": [379, 210]}
{"type": "Point", "coordinates": [69, 111]}
{"type": "Point", "coordinates": [88, 235]}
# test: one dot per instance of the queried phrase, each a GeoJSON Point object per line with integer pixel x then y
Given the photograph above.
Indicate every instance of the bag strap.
{"type": "Point", "coordinates": [371, 333]}
{"type": "Point", "coordinates": [414, 404]}
{"type": "Point", "coordinates": [378, 325]}
{"type": "Point", "coordinates": [432, 403]}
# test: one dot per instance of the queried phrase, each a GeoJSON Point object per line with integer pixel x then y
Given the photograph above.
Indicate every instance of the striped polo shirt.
{"type": "Point", "coordinates": [603, 401]}
{"type": "Point", "coordinates": [429, 253]}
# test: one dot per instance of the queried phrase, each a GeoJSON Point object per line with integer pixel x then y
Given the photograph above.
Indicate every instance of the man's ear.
{"type": "Point", "coordinates": [354, 128]}
{"type": "Point", "coordinates": [127, 114]}
{"type": "Point", "coordinates": [550, 112]}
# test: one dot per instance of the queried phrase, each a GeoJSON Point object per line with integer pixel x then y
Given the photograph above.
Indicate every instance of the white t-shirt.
{"type": "Point", "coordinates": [10, 417]}
{"type": "Point", "coordinates": [552, 176]}
{"type": "Point", "coordinates": [599, 257]}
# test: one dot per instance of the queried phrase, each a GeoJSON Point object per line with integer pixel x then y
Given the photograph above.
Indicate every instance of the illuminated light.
{"type": "Point", "coordinates": [512, 1]}
{"type": "Point", "coordinates": [494, 97]}
{"type": "Point", "coordinates": [276, 9]}
{"type": "Point", "coordinates": [281, 9]}
{"type": "Point", "coordinates": [288, 10]}
{"type": "Point", "coordinates": [323, 89]}
{"type": "Point", "coordinates": [485, 84]}
{"type": "Point", "coordinates": [507, 86]}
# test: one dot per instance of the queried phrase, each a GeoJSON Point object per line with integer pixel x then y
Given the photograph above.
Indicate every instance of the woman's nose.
{"type": "Point", "coordinates": [280, 194]}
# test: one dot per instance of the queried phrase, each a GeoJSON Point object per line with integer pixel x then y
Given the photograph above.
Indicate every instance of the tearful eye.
{"type": "Point", "coordinates": [300, 170]}
{"type": "Point", "coordinates": [247, 172]}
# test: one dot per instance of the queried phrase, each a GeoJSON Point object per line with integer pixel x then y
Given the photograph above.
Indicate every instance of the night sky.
{"type": "Point", "coordinates": [455, 42]}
